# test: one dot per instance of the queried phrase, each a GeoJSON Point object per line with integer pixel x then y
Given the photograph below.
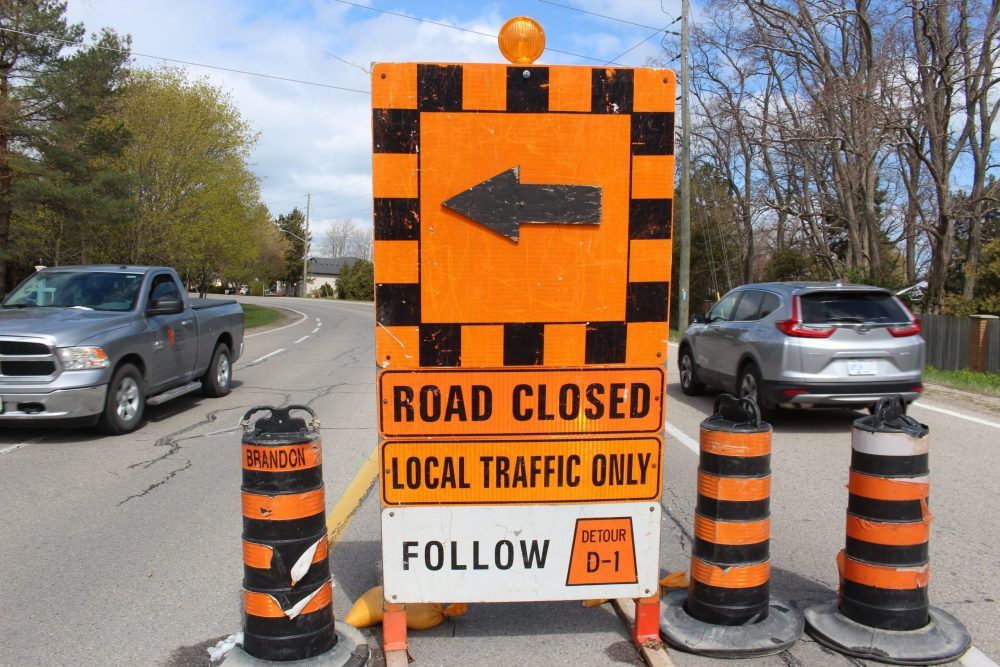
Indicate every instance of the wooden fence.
{"type": "Point", "coordinates": [948, 342]}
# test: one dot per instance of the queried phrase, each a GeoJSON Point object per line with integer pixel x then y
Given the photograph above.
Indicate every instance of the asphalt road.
{"type": "Point", "coordinates": [126, 551]}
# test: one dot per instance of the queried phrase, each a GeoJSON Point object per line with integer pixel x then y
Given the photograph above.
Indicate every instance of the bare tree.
{"type": "Point", "coordinates": [337, 240]}
{"type": "Point", "coordinates": [361, 244]}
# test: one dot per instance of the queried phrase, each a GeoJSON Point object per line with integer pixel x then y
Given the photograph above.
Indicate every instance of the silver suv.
{"type": "Point", "coordinates": [805, 345]}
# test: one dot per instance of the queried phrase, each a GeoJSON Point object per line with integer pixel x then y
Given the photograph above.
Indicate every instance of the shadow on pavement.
{"type": "Point", "coordinates": [784, 421]}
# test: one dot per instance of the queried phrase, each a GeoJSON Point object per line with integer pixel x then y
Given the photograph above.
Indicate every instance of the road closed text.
{"type": "Point", "coordinates": [525, 471]}
{"type": "Point", "coordinates": [520, 402]}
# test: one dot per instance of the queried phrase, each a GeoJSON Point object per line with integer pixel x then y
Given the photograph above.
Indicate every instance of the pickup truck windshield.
{"type": "Point", "coordinates": [83, 289]}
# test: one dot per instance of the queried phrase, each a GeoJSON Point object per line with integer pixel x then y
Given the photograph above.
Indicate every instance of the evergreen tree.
{"type": "Point", "coordinates": [24, 57]}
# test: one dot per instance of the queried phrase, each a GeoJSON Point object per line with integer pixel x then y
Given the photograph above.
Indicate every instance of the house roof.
{"type": "Point", "coordinates": [329, 266]}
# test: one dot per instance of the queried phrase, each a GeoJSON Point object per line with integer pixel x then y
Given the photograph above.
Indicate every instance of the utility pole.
{"type": "Point", "coordinates": [685, 233]}
{"type": "Point", "coordinates": [305, 248]}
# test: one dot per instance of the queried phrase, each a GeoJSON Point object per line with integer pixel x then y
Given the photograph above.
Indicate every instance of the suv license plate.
{"type": "Point", "coordinates": [862, 367]}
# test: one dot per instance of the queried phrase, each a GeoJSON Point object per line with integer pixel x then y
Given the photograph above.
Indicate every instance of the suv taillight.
{"type": "Point", "coordinates": [794, 326]}
{"type": "Point", "coordinates": [910, 329]}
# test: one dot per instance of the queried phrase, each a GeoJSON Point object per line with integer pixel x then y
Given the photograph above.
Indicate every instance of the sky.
{"type": "Point", "coordinates": [317, 139]}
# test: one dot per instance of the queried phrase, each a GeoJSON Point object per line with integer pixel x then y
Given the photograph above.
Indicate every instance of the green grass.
{"type": "Point", "coordinates": [983, 383]}
{"type": "Point", "coordinates": [258, 316]}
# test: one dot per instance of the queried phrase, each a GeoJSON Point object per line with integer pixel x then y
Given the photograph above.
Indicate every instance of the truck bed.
{"type": "Point", "coordinates": [201, 304]}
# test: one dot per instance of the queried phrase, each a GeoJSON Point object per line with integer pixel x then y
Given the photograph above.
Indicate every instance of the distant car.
{"type": "Point", "coordinates": [805, 345]}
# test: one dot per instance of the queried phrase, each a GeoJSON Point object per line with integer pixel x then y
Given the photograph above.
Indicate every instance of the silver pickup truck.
{"type": "Point", "coordinates": [96, 344]}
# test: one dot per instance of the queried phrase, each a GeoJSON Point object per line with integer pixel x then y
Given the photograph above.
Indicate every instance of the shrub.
{"type": "Point", "coordinates": [357, 281]}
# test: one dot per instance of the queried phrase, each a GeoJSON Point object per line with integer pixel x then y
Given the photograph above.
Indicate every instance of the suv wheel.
{"type": "Point", "coordinates": [750, 385]}
{"type": "Point", "coordinates": [218, 378]}
{"type": "Point", "coordinates": [125, 403]}
{"type": "Point", "coordinates": [689, 374]}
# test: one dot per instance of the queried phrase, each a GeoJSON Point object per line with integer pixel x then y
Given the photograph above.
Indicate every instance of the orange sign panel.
{"type": "Point", "coordinates": [522, 214]}
{"type": "Point", "coordinates": [603, 552]}
{"type": "Point", "coordinates": [552, 401]}
{"type": "Point", "coordinates": [458, 472]}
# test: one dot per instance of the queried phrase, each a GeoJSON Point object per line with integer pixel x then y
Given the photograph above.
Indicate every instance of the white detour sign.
{"type": "Point", "coordinates": [520, 553]}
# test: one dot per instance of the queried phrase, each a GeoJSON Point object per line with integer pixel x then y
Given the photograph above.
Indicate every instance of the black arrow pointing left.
{"type": "Point", "coordinates": [502, 204]}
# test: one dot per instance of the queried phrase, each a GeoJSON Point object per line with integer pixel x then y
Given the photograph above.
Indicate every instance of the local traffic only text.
{"type": "Point", "coordinates": [521, 471]}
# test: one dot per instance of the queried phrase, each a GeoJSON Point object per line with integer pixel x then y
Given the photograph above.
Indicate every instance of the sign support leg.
{"type": "Point", "coordinates": [394, 634]}
{"type": "Point", "coordinates": [647, 621]}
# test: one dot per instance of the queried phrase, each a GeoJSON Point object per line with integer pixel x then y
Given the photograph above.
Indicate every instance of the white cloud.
{"type": "Point", "coordinates": [316, 139]}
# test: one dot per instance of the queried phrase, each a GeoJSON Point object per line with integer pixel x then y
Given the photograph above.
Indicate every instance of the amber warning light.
{"type": "Point", "coordinates": [521, 40]}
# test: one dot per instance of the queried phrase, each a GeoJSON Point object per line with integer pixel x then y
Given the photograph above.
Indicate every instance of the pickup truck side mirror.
{"type": "Point", "coordinates": [698, 318]}
{"type": "Point", "coordinates": [165, 307]}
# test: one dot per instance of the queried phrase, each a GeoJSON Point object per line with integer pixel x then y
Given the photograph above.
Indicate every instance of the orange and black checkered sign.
{"type": "Point", "coordinates": [583, 155]}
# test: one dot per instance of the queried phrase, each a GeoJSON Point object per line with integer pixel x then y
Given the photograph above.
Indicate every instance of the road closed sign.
{"type": "Point", "coordinates": [507, 554]}
{"type": "Point", "coordinates": [522, 278]}
{"type": "Point", "coordinates": [517, 402]}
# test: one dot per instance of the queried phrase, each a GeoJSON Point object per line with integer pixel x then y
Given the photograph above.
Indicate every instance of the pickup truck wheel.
{"type": "Point", "coordinates": [218, 379]}
{"type": "Point", "coordinates": [689, 374]}
{"type": "Point", "coordinates": [125, 403]}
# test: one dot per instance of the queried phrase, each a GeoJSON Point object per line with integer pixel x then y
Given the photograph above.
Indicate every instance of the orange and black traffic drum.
{"type": "Point", "coordinates": [728, 610]}
{"type": "Point", "coordinates": [287, 588]}
{"type": "Point", "coordinates": [730, 560]}
{"type": "Point", "coordinates": [883, 611]}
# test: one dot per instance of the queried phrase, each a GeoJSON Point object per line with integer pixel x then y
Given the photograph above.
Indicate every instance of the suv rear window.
{"type": "Point", "coordinates": [822, 307]}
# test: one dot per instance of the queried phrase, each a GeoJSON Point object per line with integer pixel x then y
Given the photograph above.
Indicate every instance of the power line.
{"type": "Point", "coordinates": [320, 194]}
{"type": "Point", "coordinates": [663, 29]}
{"type": "Point", "coordinates": [344, 215]}
{"type": "Point", "coordinates": [603, 16]}
{"type": "Point", "coordinates": [469, 30]}
{"type": "Point", "coordinates": [185, 62]}
{"type": "Point", "coordinates": [344, 201]}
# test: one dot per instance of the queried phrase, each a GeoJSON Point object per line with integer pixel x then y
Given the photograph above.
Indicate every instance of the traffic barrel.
{"type": "Point", "coordinates": [883, 610]}
{"type": "Point", "coordinates": [287, 584]}
{"type": "Point", "coordinates": [728, 610]}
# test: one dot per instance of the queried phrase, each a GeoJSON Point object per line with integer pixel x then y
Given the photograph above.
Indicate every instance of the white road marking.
{"type": "Point", "coordinates": [314, 331]}
{"type": "Point", "coordinates": [21, 445]}
{"type": "Point", "coordinates": [287, 326]}
{"type": "Point", "coordinates": [301, 339]}
{"type": "Point", "coordinates": [976, 658]}
{"type": "Point", "coordinates": [268, 355]}
{"type": "Point", "coordinates": [952, 413]}
{"type": "Point", "coordinates": [684, 438]}
{"type": "Point", "coordinates": [225, 430]}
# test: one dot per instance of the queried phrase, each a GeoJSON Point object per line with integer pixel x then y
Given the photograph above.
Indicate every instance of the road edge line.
{"type": "Point", "coordinates": [340, 516]}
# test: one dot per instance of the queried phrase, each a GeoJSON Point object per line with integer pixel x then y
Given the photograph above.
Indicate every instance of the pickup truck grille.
{"type": "Point", "coordinates": [27, 368]}
{"type": "Point", "coordinates": [20, 358]}
{"type": "Point", "coordinates": [22, 347]}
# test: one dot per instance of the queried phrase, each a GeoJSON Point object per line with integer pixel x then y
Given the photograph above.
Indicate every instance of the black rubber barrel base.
{"type": "Point", "coordinates": [349, 650]}
{"type": "Point", "coordinates": [942, 640]}
{"type": "Point", "coordinates": [782, 628]}
{"type": "Point", "coordinates": [292, 647]}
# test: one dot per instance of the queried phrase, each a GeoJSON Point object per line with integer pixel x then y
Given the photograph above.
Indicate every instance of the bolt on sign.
{"type": "Point", "coordinates": [522, 267]}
